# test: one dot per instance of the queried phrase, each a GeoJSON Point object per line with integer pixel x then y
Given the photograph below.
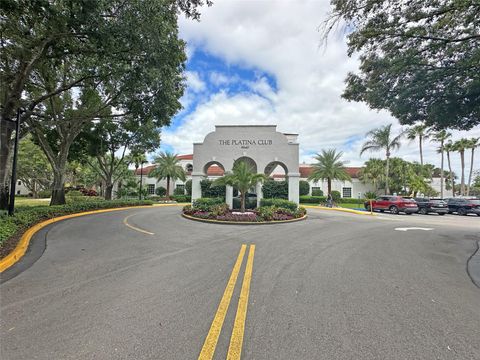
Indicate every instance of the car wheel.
{"type": "Point", "coordinates": [462, 212]}
{"type": "Point", "coordinates": [423, 211]}
{"type": "Point", "coordinates": [393, 210]}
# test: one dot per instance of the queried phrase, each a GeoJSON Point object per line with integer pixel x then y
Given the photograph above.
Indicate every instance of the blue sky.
{"type": "Point", "coordinates": [262, 62]}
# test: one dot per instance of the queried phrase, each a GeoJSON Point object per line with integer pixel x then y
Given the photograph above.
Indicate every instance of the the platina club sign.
{"type": "Point", "coordinates": [245, 143]}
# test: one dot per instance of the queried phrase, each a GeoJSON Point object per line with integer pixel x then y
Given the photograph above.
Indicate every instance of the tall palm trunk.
{"type": "Point", "coordinates": [242, 202]}
{"type": "Point", "coordinates": [441, 170]}
{"type": "Point", "coordinates": [168, 187]}
{"type": "Point", "coordinates": [420, 138]}
{"type": "Point", "coordinates": [387, 175]}
{"type": "Point", "coordinates": [452, 181]}
{"type": "Point", "coordinates": [329, 186]}
{"type": "Point", "coordinates": [462, 161]}
{"type": "Point", "coordinates": [471, 171]}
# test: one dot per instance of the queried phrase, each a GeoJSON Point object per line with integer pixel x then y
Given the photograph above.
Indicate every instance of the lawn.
{"type": "Point", "coordinates": [25, 201]}
{"type": "Point", "coordinates": [352, 206]}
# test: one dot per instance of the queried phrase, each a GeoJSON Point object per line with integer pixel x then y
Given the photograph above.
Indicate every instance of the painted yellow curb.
{"type": "Point", "coordinates": [339, 209]}
{"type": "Point", "coordinates": [22, 245]}
{"type": "Point", "coordinates": [242, 222]}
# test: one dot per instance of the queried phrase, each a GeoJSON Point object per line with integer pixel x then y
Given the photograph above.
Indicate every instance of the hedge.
{"type": "Point", "coordinates": [304, 187]}
{"type": "Point", "coordinates": [275, 189]}
{"type": "Point", "coordinates": [25, 217]}
{"type": "Point", "coordinates": [182, 198]}
{"type": "Point", "coordinates": [281, 203]}
{"type": "Point", "coordinates": [312, 199]}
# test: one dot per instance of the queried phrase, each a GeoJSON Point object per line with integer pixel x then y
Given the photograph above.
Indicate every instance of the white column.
{"type": "Point", "coordinates": [259, 193]}
{"type": "Point", "coordinates": [229, 196]}
{"type": "Point", "coordinates": [293, 187]}
{"type": "Point", "coordinates": [196, 188]}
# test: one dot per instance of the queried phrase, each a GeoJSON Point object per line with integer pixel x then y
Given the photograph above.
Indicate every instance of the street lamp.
{"type": "Point", "coordinates": [13, 183]}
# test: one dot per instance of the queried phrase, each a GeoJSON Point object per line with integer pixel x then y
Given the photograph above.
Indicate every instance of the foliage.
{"type": "Point", "coordinates": [242, 178]}
{"type": "Point", "coordinates": [418, 59]}
{"type": "Point", "coordinates": [160, 191]}
{"type": "Point", "coordinates": [421, 132]}
{"type": "Point", "coordinates": [210, 190]}
{"type": "Point", "coordinates": [44, 194]}
{"type": "Point", "coordinates": [370, 195]}
{"type": "Point", "coordinates": [329, 167]}
{"type": "Point", "coordinates": [33, 168]}
{"type": "Point", "coordinates": [182, 198]}
{"type": "Point", "coordinates": [179, 191]}
{"type": "Point", "coordinates": [249, 203]}
{"type": "Point", "coordinates": [188, 187]}
{"type": "Point", "coordinates": [336, 196]}
{"type": "Point", "coordinates": [312, 199]}
{"type": "Point", "coordinates": [281, 203]}
{"type": "Point", "coordinates": [373, 172]}
{"type": "Point", "coordinates": [304, 187]}
{"type": "Point", "coordinates": [275, 189]}
{"type": "Point", "coordinates": [205, 204]}
{"type": "Point", "coordinates": [317, 192]}
{"type": "Point", "coordinates": [168, 167]}
{"type": "Point", "coordinates": [27, 216]}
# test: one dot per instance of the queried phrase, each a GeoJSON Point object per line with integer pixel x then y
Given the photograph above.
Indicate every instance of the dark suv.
{"type": "Point", "coordinates": [464, 206]}
{"type": "Point", "coordinates": [426, 206]}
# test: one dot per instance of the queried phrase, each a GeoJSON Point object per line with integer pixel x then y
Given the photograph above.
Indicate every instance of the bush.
{"type": "Point", "coordinates": [211, 191]}
{"type": "Point", "coordinates": [74, 193]}
{"type": "Point", "coordinates": [182, 198]}
{"type": "Point", "coordinates": [249, 203]}
{"type": "Point", "coordinates": [336, 196]}
{"type": "Point", "coordinates": [188, 187]}
{"type": "Point", "coordinates": [351, 201]}
{"type": "Point", "coordinates": [317, 192]}
{"type": "Point", "coordinates": [88, 192]}
{"type": "Point", "coordinates": [161, 191]}
{"type": "Point", "coordinates": [275, 189]}
{"type": "Point", "coordinates": [205, 204]}
{"type": "Point", "coordinates": [179, 191]}
{"type": "Point", "coordinates": [312, 199]}
{"type": "Point", "coordinates": [44, 194]}
{"type": "Point", "coordinates": [281, 203]}
{"type": "Point", "coordinates": [304, 187]}
{"type": "Point", "coordinates": [25, 217]}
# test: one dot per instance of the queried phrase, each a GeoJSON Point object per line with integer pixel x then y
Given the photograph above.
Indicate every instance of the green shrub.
{"type": "Point", "coordinates": [304, 187]}
{"type": "Point", "coordinates": [312, 199]}
{"type": "Point", "coordinates": [188, 187]}
{"type": "Point", "coordinates": [266, 212]}
{"type": "Point", "coordinates": [317, 192]}
{"type": "Point", "coordinates": [275, 189]}
{"type": "Point", "coordinates": [211, 191]}
{"type": "Point", "coordinates": [205, 204]}
{"type": "Point", "coordinates": [351, 201]}
{"type": "Point", "coordinates": [182, 198]}
{"type": "Point", "coordinates": [279, 203]}
{"type": "Point", "coordinates": [179, 191]}
{"type": "Point", "coordinates": [336, 195]}
{"type": "Point", "coordinates": [370, 195]}
{"type": "Point", "coordinates": [249, 203]}
{"type": "Point", "coordinates": [161, 191]}
{"type": "Point", "coordinates": [25, 217]}
{"type": "Point", "coordinates": [44, 194]}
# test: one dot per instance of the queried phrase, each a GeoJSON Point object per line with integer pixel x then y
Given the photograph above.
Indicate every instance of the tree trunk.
{"type": "Point", "coordinates": [108, 190]}
{"type": "Point", "coordinates": [441, 171]}
{"type": "Point", "coordinates": [168, 187]}
{"type": "Point", "coordinates": [471, 172]}
{"type": "Point", "coordinates": [421, 150]}
{"type": "Point", "coordinates": [452, 182]}
{"type": "Point", "coordinates": [58, 191]}
{"type": "Point", "coordinates": [242, 203]}
{"type": "Point", "coordinates": [387, 175]}
{"type": "Point", "coordinates": [329, 186]}
{"type": "Point", "coordinates": [462, 183]}
{"type": "Point", "coordinates": [5, 150]}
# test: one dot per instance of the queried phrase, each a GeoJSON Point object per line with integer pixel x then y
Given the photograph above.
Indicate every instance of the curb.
{"type": "Point", "coordinates": [223, 222]}
{"type": "Point", "coordinates": [24, 242]}
{"type": "Point", "coordinates": [339, 209]}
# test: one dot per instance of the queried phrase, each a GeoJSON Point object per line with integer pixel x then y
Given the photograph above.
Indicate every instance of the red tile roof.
{"type": "Point", "coordinates": [185, 157]}
{"type": "Point", "coordinates": [305, 171]}
{"type": "Point", "coordinates": [145, 171]}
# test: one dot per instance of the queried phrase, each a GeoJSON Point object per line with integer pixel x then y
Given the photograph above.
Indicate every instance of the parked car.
{"type": "Point", "coordinates": [394, 204]}
{"type": "Point", "coordinates": [463, 206]}
{"type": "Point", "coordinates": [426, 206]}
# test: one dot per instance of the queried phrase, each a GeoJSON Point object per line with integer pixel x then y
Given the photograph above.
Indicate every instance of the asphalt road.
{"type": "Point", "coordinates": [147, 284]}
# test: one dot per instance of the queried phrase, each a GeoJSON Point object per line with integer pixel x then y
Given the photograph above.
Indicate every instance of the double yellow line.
{"type": "Point", "coordinates": [236, 341]}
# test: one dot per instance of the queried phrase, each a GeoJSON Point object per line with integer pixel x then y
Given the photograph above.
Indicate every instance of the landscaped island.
{"type": "Point", "coordinates": [270, 210]}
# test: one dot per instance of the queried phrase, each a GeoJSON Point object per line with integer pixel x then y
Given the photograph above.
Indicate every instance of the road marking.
{"type": "Point", "coordinates": [236, 341]}
{"type": "Point", "coordinates": [210, 344]}
{"type": "Point", "coordinates": [134, 227]}
{"type": "Point", "coordinates": [413, 228]}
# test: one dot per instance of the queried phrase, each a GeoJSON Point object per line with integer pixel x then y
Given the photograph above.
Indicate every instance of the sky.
{"type": "Point", "coordinates": [262, 62]}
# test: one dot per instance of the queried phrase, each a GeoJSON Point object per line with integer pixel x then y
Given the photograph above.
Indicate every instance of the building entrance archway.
{"type": "Point", "coordinates": [261, 146]}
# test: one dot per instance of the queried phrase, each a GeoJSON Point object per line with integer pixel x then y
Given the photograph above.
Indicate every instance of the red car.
{"type": "Point", "coordinates": [394, 204]}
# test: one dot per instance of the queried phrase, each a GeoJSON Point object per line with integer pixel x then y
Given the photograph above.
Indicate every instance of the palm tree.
{"type": "Point", "coordinates": [460, 146]}
{"type": "Point", "coordinates": [382, 139]}
{"type": "Point", "coordinates": [441, 136]}
{"type": "Point", "coordinates": [168, 168]}
{"type": "Point", "coordinates": [373, 171]}
{"type": "Point", "coordinates": [242, 178]}
{"type": "Point", "coordinates": [473, 144]}
{"type": "Point", "coordinates": [329, 167]}
{"type": "Point", "coordinates": [449, 147]}
{"type": "Point", "coordinates": [138, 159]}
{"type": "Point", "coordinates": [421, 132]}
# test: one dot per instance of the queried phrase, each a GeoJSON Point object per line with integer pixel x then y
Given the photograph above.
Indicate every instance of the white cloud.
{"type": "Point", "coordinates": [282, 39]}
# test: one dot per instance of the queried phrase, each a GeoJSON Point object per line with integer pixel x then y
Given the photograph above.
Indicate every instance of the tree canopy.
{"type": "Point", "coordinates": [418, 59]}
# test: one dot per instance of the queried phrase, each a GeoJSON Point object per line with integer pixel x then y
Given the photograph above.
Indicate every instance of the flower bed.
{"type": "Point", "coordinates": [221, 212]}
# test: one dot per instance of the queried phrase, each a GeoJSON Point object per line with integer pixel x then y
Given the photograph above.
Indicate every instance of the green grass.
{"type": "Point", "coordinates": [24, 201]}
{"type": "Point", "coordinates": [351, 206]}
